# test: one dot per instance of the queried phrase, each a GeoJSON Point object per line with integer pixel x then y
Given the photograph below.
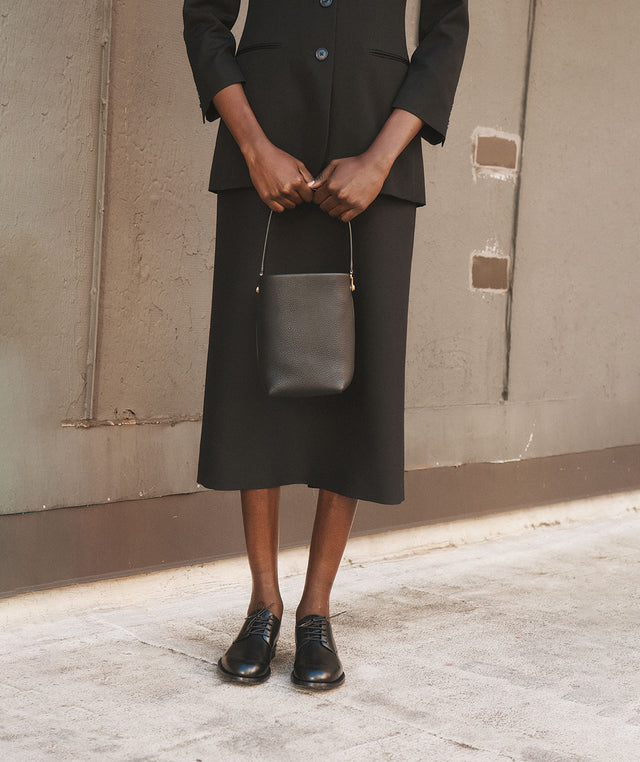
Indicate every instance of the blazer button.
{"type": "Point", "coordinates": [325, 3]}
{"type": "Point", "coordinates": [321, 54]}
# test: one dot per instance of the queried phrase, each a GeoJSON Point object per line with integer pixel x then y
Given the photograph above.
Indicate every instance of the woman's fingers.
{"type": "Point", "coordinates": [328, 204]}
{"type": "Point", "coordinates": [350, 214]}
{"type": "Point", "coordinates": [294, 194]}
{"type": "Point", "coordinates": [321, 195]}
{"type": "Point", "coordinates": [306, 175]}
{"type": "Point", "coordinates": [288, 197]}
{"type": "Point", "coordinates": [338, 210]}
{"type": "Point", "coordinates": [274, 206]}
{"type": "Point", "coordinates": [318, 182]}
{"type": "Point", "coordinates": [297, 190]}
{"type": "Point", "coordinates": [347, 186]}
{"type": "Point", "coordinates": [330, 185]}
{"type": "Point", "coordinates": [305, 190]}
{"type": "Point", "coordinates": [287, 202]}
{"type": "Point", "coordinates": [281, 180]}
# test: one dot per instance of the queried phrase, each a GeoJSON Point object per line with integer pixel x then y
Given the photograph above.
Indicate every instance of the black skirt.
{"type": "Point", "coordinates": [350, 443]}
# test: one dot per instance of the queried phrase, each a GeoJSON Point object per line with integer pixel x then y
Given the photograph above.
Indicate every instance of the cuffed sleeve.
{"type": "Point", "coordinates": [211, 48]}
{"type": "Point", "coordinates": [432, 78]}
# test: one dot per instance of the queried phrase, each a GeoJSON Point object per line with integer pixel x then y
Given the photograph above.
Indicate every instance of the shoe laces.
{"type": "Point", "coordinates": [316, 629]}
{"type": "Point", "coordinates": [256, 624]}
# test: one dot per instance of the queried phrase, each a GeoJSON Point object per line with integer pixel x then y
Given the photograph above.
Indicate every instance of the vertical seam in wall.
{"type": "Point", "coordinates": [516, 203]}
{"type": "Point", "coordinates": [98, 218]}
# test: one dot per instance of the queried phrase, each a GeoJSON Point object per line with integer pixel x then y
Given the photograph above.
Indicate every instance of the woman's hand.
{"type": "Point", "coordinates": [282, 181]}
{"type": "Point", "coordinates": [346, 187]}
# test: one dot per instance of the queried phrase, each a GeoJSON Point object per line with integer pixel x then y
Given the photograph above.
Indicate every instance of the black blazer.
{"type": "Point", "coordinates": [322, 77]}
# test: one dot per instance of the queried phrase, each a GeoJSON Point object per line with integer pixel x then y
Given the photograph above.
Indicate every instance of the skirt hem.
{"type": "Point", "coordinates": [311, 483]}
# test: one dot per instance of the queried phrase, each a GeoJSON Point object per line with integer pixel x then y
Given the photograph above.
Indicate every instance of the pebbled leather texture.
{"type": "Point", "coordinates": [306, 334]}
{"type": "Point", "coordinates": [248, 658]}
{"type": "Point", "coordinates": [317, 665]}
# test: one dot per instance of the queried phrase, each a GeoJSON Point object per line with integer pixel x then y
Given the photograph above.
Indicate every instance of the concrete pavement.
{"type": "Point", "coordinates": [516, 648]}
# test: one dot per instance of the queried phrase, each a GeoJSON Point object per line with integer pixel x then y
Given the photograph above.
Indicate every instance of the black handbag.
{"type": "Point", "coordinates": [305, 330]}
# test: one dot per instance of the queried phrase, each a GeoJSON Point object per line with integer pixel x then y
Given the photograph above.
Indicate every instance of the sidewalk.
{"type": "Point", "coordinates": [517, 648]}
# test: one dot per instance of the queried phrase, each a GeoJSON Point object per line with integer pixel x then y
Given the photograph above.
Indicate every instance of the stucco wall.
{"type": "Point", "coordinates": [573, 366]}
{"type": "Point", "coordinates": [49, 105]}
{"type": "Point", "coordinates": [158, 245]}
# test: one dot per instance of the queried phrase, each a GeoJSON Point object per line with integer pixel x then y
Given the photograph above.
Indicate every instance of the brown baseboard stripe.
{"type": "Point", "coordinates": [62, 546]}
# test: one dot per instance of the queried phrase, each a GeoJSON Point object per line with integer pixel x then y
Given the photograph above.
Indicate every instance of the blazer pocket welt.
{"type": "Point", "coordinates": [390, 56]}
{"type": "Point", "coordinates": [258, 46]}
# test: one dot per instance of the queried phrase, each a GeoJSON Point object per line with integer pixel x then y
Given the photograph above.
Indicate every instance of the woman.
{"type": "Point", "coordinates": [322, 120]}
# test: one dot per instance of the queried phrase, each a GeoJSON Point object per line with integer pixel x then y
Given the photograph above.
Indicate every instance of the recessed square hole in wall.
{"type": "Point", "coordinates": [495, 154]}
{"type": "Point", "coordinates": [489, 270]}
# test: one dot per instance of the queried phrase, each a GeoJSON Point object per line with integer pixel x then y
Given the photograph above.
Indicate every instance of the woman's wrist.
{"type": "Point", "coordinates": [254, 145]}
{"type": "Point", "coordinates": [396, 133]}
{"type": "Point", "coordinates": [238, 116]}
{"type": "Point", "coordinates": [380, 157]}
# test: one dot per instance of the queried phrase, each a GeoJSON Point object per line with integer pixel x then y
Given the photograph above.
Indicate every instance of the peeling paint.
{"type": "Point", "coordinates": [529, 441]}
{"type": "Point", "coordinates": [492, 250]}
{"type": "Point", "coordinates": [480, 167]}
{"type": "Point", "coordinates": [83, 423]}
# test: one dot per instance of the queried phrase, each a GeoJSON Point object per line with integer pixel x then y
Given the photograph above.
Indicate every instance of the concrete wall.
{"type": "Point", "coordinates": [575, 364]}
{"type": "Point", "coordinates": [547, 365]}
{"type": "Point", "coordinates": [49, 106]}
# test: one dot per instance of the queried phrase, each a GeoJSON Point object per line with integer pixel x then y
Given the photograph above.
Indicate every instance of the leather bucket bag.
{"type": "Point", "coordinates": [305, 330]}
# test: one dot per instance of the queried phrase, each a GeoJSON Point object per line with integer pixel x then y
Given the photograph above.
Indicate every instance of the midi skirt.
{"type": "Point", "coordinates": [350, 443]}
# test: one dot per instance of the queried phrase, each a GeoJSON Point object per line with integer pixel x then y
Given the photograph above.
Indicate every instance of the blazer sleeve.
{"type": "Point", "coordinates": [432, 78]}
{"type": "Point", "coordinates": [211, 48]}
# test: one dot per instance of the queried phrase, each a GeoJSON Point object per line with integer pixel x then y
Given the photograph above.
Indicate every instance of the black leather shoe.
{"type": "Point", "coordinates": [248, 658]}
{"type": "Point", "coordinates": [317, 665]}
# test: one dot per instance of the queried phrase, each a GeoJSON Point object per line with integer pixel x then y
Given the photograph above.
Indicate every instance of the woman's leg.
{"type": "Point", "coordinates": [248, 659]}
{"type": "Point", "coordinates": [334, 517]}
{"type": "Point", "coordinates": [260, 514]}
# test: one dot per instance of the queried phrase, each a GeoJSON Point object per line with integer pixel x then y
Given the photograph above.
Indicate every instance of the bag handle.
{"type": "Point", "coordinates": [264, 252]}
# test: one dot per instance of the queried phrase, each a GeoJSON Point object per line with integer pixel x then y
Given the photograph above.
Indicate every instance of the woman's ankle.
{"type": "Point", "coordinates": [312, 607]}
{"type": "Point", "coordinates": [273, 602]}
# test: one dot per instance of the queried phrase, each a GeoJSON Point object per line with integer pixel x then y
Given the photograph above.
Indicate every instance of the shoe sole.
{"type": "Point", "coordinates": [315, 685]}
{"type": "Point", "coordinates": [230, 677]}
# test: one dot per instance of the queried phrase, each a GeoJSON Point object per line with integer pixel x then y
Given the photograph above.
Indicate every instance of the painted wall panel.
{"type": "Point", "coordinates": [576, 318]}
{"type": "Point", "coordinates": [456, 336]}
{"type": "Point", "coordinates": [49, 97]}
{"type": "Point", "coordinates": [158, 244]}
